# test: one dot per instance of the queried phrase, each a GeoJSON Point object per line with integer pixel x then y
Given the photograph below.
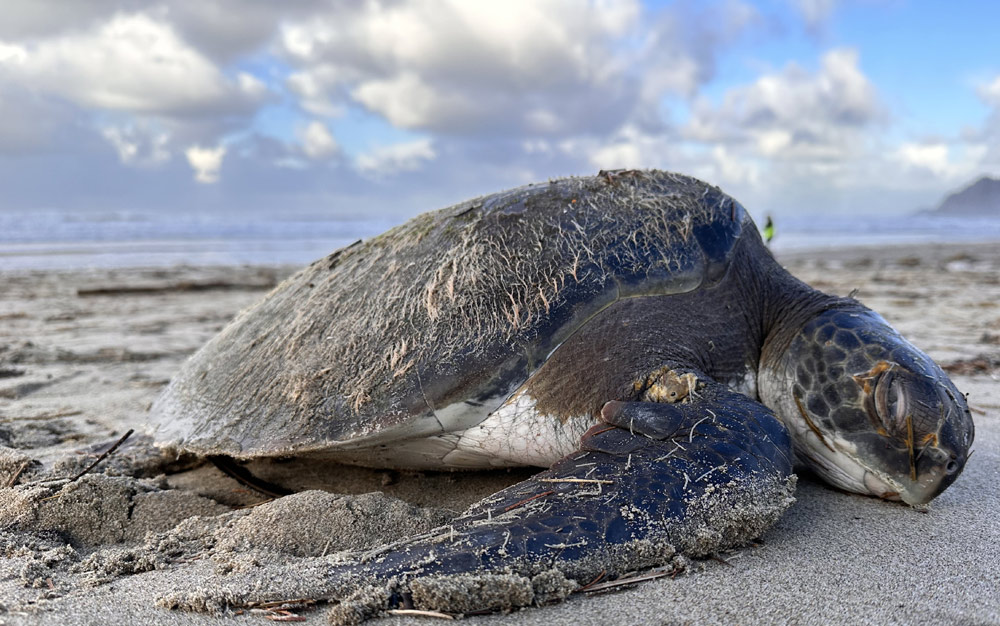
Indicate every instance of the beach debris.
{"type": "Point", "coordinates": [624, 581]}
{"type": "Point", "coordinates": [132, 290]}
{"type": "Point", "coordinates": [281, 610]}
{"type": "Point", "coordinates": [419, 613]}
{"type": "Point", "coordinates": [105, 455]}
{"type": "Point", "coordinates": [41, 416]}
{"type": "Point", "coordinates": [243, 476]}
{"type": "Point", "coordinates": [17, 474]}
{"type": "Point", "coordinates": [977, 365]}
{"type": "Point", "coordinates": [511, 507]}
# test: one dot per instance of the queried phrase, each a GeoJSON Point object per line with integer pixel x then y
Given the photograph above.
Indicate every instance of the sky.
{"type": "Point", "coordinates": [359, 109]}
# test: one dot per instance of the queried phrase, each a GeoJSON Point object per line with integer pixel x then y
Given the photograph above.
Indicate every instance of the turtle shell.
{"type": "Point", "coordinates": [429, 327]}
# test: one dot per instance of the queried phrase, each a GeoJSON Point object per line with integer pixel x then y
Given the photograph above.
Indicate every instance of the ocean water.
{"type": "Point", "coordinates": [60, 240]}
{"type": "Point", "coordinates": [69, 240]}
{"type": "Point", "coordinates": [838, 231]}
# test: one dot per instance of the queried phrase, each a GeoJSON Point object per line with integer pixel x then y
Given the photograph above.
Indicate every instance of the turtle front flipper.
{"type": "Point", "coordinates": [655, 481]}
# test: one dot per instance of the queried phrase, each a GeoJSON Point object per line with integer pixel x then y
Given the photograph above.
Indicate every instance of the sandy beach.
{"type": "Point", "coordinates": [84, 353]}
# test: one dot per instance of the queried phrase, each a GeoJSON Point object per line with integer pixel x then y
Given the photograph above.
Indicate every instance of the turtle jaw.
{"type": "Point", "coordinates": [845, 468]}
{"type": "Point", "coordinates": [930, 482]}
{"type": "Point", "coordinates": [927, 486]}
{"type": "Point", "coordinates": [838, 462]}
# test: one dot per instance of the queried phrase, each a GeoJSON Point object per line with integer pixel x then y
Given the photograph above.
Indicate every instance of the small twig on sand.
{"type": "Point", "coordinates": [620, 582]}
{"type": "Point", "coordinates": [603, 430]}
{"type": "Point", "coordinates": [277, 615]}
{"type": "Point", "coordinates": [527, 500]}
{"type": "Point", "coordinates": [130, 290]}
{"type": "Point", "coordinates": [277, 604]}
{"type": "Point", "coordinates": [254, 505]}
{"type": "Point", "coordinates": [17, 474]}
{"type": "Point", "coordinates": [418, 613]}
{"type": "Point", "coordinates": [245, 477]}
{"type": "Point", "coordinates": [596, 580]}
{"type": "Point", "coordinates": [279, 610]}
{"type": "Point", "coordinates": [576, 480]}
{"type": "Point", "coordinates": [41, 416]}
{"type": "Point", "coordinates": [106, 454]}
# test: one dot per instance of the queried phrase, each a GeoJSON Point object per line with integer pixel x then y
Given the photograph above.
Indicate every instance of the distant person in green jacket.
{"type": "Point", "coordinates": [769, 230]}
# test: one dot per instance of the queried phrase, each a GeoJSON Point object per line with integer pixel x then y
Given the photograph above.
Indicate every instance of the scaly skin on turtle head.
{"type": "Point", "coordinates": [868, 411]}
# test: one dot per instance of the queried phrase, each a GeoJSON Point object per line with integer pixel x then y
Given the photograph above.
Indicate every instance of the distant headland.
{"type": "Point", "coordinates": [979, 199]}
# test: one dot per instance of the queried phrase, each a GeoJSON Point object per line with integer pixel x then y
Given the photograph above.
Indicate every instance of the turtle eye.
{"type": "Point", "coordinates": [890, 400]}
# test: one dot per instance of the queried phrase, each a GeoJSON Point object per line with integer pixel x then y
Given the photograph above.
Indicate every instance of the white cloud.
{"type": "Point", "coordinates": [949, 162]}
{"type": "Point", "coordinates": [511, 92]}
{"type": "Point", "coordinates": [734, 168]}
{"type": "Point", "coordinates": [531, 67]}
{"type": "Point", "coordinates": [311, 86]}
{"type": "Point", "coordinates": [206, 162]}
{"type": "Point", "coordinates": [251, 85]}
{"type": "Point", "coordinates": [12, 54]}
{"type": "Point", "coordinates": [45, 18]}
{"type": "Point", "coordinates": [536, 69]}
{"type": "Point", "coordinates": [138, 145]}
{"type": "Point", "coordinates": [317, 142]}
{"type": "Point", "coordinates": [618, 155]}
{"type": "Point", "coordinates": [228, 29]}
{"type": "Point", "coordinates": [815, 12]}
{"type": "Point", "coordinates": [126, 148]}
{"type": "Point", "coordinates": [679, 49]}
{"type": "Point", "coordinates": [629, 148]}
{"type": "Point", "coordinates": [988, 134]}
{"type": "Point", "coordinates": [989, 92]}
{"type": "Point", "coordinates": [794, 114]}
{"type": "Point", "coordinates": [221, 29]}
{"type": "Point", "coordinates": [409, 102]}
{"type": "Point", "coordinates": [516, 39]}
{"type": "Point", "coordinates": [930, 156]}
{"type": "Point", "coordinates": [131, 63]}
{"type": "Point", "coordinates": [400, 157]}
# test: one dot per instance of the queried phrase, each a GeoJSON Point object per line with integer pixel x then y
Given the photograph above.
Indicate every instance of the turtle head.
{"type": "Point", "coordinates": [868, 411]}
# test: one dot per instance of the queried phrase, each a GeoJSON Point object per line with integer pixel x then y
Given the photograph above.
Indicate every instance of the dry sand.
{"type": "Point", "coordinates": [82, 354]}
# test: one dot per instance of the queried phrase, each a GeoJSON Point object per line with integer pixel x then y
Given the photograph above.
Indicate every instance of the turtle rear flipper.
{"type": "Point", "coordinates": [687, 479]}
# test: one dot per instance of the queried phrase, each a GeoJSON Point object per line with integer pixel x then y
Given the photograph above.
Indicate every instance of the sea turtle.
{"type": "Point", "coordinates": [630, 331]}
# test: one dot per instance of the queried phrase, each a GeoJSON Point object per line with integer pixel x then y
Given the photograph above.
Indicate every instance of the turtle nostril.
{"type": "Point", "coordinates": [951, 467]}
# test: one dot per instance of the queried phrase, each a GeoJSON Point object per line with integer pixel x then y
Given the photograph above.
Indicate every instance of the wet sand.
{"type": "Point", "coordinates": [83, 354]}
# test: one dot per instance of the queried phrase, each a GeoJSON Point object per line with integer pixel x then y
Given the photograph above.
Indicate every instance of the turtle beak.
{"type": "Point", "coordinates": [931, 432]}
{"type": "Point", "coordinates": [933, 477]}
{"type": "Point", "coordinates": [937, 466]}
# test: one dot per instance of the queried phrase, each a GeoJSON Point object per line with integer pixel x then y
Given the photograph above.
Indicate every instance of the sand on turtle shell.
{"type": "Point", "coordinates": [143, 529]}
